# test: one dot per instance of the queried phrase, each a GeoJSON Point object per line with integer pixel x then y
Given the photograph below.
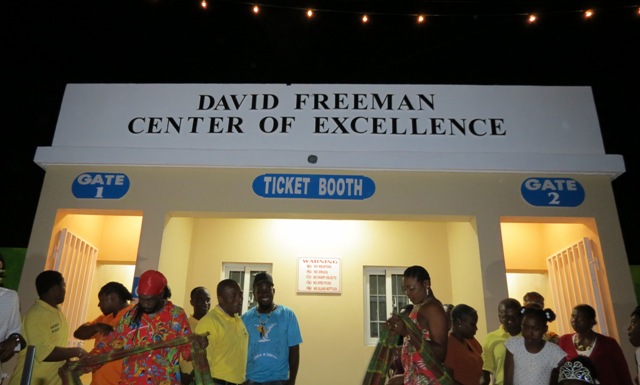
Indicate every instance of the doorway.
{"type": "Point", "coordinates": [529, 243]}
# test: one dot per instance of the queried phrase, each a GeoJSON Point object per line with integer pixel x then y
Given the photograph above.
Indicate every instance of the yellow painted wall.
{"type": "Point", "coordinates": [524, 246]}
{"type": "Point", "coordinates": [322, 317]}
{"type": "Point", "coordinates": [174, 260]}
{"type": "Point", "coordinates": [527, 245]}
{"type": "Point", "coordinates": [466, 274]}
{"type": "Point", "coordinates": [122, 236]}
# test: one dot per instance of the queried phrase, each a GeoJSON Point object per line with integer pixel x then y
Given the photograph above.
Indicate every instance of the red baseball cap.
{"type": "Point", "coordinates": [151, 282]}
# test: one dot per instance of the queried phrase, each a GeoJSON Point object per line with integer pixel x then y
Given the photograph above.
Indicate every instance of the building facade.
{"type": "Point", "coordinates": [335, 189]}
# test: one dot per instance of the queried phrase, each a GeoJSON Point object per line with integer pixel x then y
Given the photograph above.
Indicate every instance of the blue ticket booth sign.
{"type": "Point", "coordinates": [310, 186]}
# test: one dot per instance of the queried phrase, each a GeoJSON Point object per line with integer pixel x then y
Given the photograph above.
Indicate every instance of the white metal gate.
{"type": "Point", "coordinates": [573, 276]}
{"type": "Point", "coordinates": [76, 260]}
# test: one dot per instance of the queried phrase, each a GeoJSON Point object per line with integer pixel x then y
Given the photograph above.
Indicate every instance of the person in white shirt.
{"type": "Point", "coordinates": [11, 340]}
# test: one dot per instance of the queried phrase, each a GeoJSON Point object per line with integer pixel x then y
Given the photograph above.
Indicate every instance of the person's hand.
{"type": "Point", "coordinates": [398, 379]}
{"type": "Point", "coordinates": [395, 324]}
{"type": "Point", "coordinates": [81, 353]}
{"type": "Point", "coordinates": [8, 348]}
{"type": "Point", "coordinates": [104, 328]}
{"type": "Point", "coordinates": [200, 341]}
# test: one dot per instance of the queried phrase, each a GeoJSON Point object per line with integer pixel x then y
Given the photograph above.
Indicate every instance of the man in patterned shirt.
{"type": "Point", "coordinates": [153, 319]}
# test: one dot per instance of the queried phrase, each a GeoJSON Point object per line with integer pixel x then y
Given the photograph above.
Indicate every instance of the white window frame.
{"type": "Point", "coordinates": [248, 272]}
{"type": "Point", "coordinates": [375, 271]}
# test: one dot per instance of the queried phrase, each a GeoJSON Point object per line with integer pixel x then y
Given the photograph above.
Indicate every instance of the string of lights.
{"type": "Point", "coordinates": [441, 9]}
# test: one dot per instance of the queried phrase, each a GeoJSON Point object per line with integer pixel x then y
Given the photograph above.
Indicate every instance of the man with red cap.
{"type": "Point", "coordinates": [154, 318]}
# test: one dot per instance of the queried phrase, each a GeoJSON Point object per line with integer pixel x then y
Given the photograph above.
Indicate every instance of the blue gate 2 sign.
{"type": "Point", "coordinates": [552, 192]}
{"type": "Point", "coordinates": [100, 185]}
{"type": "Point", "coordinates": [309, 186]}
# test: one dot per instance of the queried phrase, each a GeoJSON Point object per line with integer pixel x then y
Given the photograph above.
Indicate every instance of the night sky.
{"type": "Point", "coordinates": [47, 44]}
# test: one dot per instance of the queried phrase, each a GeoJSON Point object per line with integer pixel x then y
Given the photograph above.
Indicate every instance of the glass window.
{"type": "Point", "coordinates": [383, 296]}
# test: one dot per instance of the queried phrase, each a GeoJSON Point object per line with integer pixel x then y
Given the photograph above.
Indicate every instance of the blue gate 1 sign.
{"type": "Point", "coordinates": [100, 185]}
{"type": "Point", "coordinates": [134, 289]}
{"type": "Point", "coordinates": [309, 186]}
{"type": "Point", "coordinates": [552, 192]}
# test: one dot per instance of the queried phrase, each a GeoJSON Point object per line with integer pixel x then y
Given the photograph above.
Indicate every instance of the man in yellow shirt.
{"type": "Point", "coordinates": [201, 302]}
{"type": "Point", "coordinates": [228, 337]}
{"type": "Point", "coordinates": [493, 349]}
{"type": "Point", "coordinates": [45, 327]}
{"type": "Point", "coordinates": [114, 301]}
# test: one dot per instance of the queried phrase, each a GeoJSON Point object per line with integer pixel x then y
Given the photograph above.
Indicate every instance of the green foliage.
{"type": "Point", "coordinates": [635, 277]}
{"type": "Point", "coordinates": [14, 261]}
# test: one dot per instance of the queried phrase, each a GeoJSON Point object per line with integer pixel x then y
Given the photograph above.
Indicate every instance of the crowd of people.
{"type": "Point", "coordinates": [522, 351]}
{"type": "Point", "coordinates": [426, 343]}
{"type": "Point", "coordinates": [132, 340]}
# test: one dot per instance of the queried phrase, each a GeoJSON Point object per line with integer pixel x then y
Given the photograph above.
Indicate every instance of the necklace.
{"type": "Point", "coordinates": [581, 345]}
{"type": "Point", "coordinates": [261, 327]}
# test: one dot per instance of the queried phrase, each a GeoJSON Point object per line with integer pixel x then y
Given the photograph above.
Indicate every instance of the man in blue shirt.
{"type": "Point", "coordinates": [274, 338]}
